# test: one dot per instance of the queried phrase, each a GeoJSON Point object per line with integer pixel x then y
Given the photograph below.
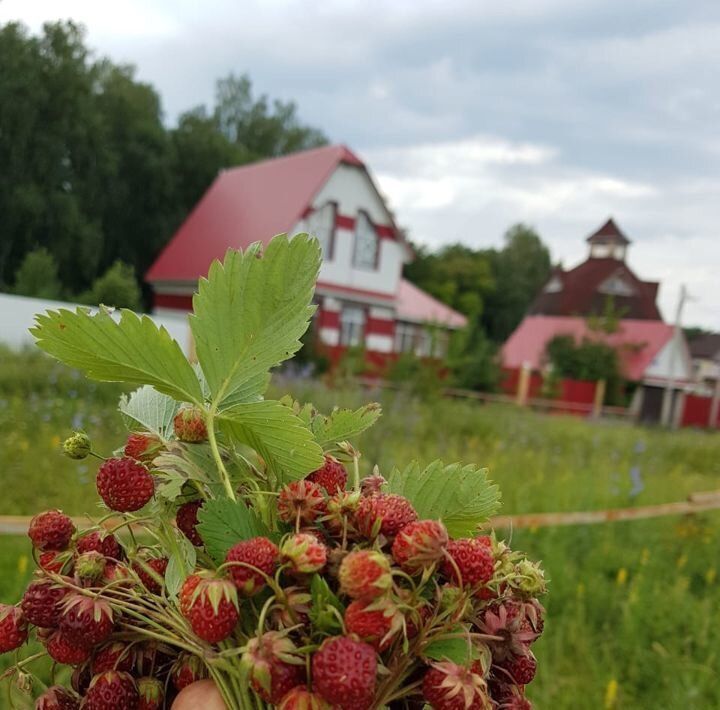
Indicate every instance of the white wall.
{"type": "Point", "coordinates": [673, 361]}
{"type": "Point", "coordinates": [17, 315]}
{"type": "Point", "coordinates": [351, 189]}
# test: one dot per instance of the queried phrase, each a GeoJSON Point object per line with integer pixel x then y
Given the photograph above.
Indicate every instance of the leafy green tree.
{"type": "Point", "coordinates": [38, 275]}
{"type": "Point", "coordinates": [117, 287]}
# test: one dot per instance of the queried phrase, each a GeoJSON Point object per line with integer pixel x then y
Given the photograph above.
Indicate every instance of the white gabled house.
{"type": "Point", "coordinates": [361, 295]}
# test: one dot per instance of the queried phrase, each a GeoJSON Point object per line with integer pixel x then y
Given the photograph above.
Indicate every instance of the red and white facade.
{"type": "Point", "coordinates": [361, 296]}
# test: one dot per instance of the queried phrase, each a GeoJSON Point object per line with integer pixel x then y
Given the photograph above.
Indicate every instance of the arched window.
{"type": "Point", "coordinates": [321, 223]}
{"type": "Point", "coordinates": [367, 243]}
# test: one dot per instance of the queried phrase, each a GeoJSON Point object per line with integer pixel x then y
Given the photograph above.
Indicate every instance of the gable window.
{"type": "Point", "coordinates": [616, 286]}
{"type": "Point", "coordinates": [352, 326]}
{"type": "Point", "coordinates": [367, 243]}
{"type": "Point", "coordinates": [321, 223]}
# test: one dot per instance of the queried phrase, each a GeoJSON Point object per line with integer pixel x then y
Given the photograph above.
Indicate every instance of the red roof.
{"type": "Point", "coordinates": [609, 232]}
{"type": "Point", "coordinates": [580, 294]}
{"type": "Point", "coordinates": [637, 341]}
{"type": "Point", "coordinates": [415, 305]}
{"type": "Point", "coordinates": [244, 205]}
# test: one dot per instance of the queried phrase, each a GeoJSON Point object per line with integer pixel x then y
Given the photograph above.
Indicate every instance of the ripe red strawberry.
{"type": "Point", "coordinates": [383, 514]}
{"type": "Point", "coordinates": [257, 555]}
{"type": "Point", "coordinates": [116, 656]}
{"type": "Point", "coordinates": [420, 545]}
{"type": "Point", "coordinates": [41, 603]}
{"type": "Point", "coordinates": [110, 691]}
{"type": "Point", "coordinates": [508, 621]}
{"type": "Point", "coordinates": [210, 604]}
{"type": "Point", "coordinates": [54, 561]}
{"type": "Point", "coordinates": [143, 446]}
{"type": "Point", "coordinates": [344, 672]}
{"type": "Point", "coordinates": [13, 628]}
{"type": "Point", "coordinates": [448, 686]}
{"type": "Point", "coordinates": [124, 484]}
{"type": "Point", "coordinates": [273, 666]}
{"type": "Point", "coordinates": [186, 519]}
{"type": "Point", "coordinates": [86, 620]}
{"type": "Point", "coordinates": [51, 530]}
{"type": "Point", "coordinates": [66, 650]}
{"type": "Point", "coordinates": [521, 668]}
{"type": "Point", "coordinates": [151, 572]}
{"type": "Point", "coordinates": [472, 558]}
{"type": "Point", "coordinates": [57, 698]}
{"type": "Point", "coordinates": [300, 698]}
{"type": "Point", "coordinates": [117, 572]}
{"type": "Point", "coordinates": [304, 553]}
{"type": "Point", "coordinates": [189, 425]}
{"type": "Point", "coordinates": [151, 692]}
{"type": "Point", "coordinates": [376, 622]}
{"type": "Point", "coordinates": [507, 695]}
{"type": "Point", "coordinates": [365, 574]}
{"type": "Point", "coordinates": [104, 543]}
{"type": "Point", "coordinates": [186, 670]}
{"type": "Point", "coordinates": [301, 502]}
{"type": "Point", "coordinates": [331, 476]}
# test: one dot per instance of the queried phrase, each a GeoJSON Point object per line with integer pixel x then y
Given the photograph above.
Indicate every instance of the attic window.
{"type": "Point", "coordinates": [367, 244]}
{"type": "Point", "coordinates": [321, 223]}
{"type": "Point", "coordinates": [352, 326]}
{"type": "Point", "coordinates": [553, 286]}
{"type": "Point", "coordinates": [616, 286]}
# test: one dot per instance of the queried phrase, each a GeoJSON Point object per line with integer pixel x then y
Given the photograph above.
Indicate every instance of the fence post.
{"type": "Point", "coordinates": [599, 399]}
{"type": "Point", "coordinates": [715, 406]}
{"type": "Point", "coordinates": [523, 385]}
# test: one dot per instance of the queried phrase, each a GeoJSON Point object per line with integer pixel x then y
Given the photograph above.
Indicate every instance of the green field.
{"type": "Point", "coordinates": [633, 609]}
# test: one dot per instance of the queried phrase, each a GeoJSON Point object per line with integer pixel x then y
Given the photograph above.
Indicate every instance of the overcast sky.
{"type": "Point", "coordinates": [475, 115]}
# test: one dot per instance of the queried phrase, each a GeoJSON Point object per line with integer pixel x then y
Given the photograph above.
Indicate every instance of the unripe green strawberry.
{"type": "Point", "coordinates": [151, 692]}
{"type": "Point", "coordinates": [51, 530]}
{"type": "Point", "coordinates": [420, 545]}
{"type": "Point", "coordinates": [13, 628]}
{"type": "Point", "coordinates": [253, 560]}
{"type": "Point", "coordinates": [189, 425]}
{"type": "Point", "coordinates": [344, 672]}
{"type": "Point", "coordinates": [77, 446]}
{"type": "Point", "coordinates": [528, 580]}
{"type": "Point", "coordinates": [365, 574]}
{"type": "Point", "coordinates": [300, 698]}
{"type": "Point", "coordinates": [89, 567]}
{"type": "Point", "coordinates": [304, 553]}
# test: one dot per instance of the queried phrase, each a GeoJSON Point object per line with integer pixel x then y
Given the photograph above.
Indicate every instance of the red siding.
{"type": "Point", "coordinates": [380, 326]}
{"type": "Point", "coordinates": [172, 300]}
{"type": "Point", "coordinates": [328, 319]}
{"type": "Point", "coordinates": [384, 231]}
{"type": "Point", "coordinates": [697, 411]}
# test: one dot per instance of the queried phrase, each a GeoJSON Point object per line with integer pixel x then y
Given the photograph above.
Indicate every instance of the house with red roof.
{"type": "Point", "coordinates": [651, 352]}
{"type": "Point", "coordinates": [361, 296]}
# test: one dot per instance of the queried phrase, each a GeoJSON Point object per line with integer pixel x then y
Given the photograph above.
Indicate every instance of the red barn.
{"type": "Point", "coordinates": [329, 192]}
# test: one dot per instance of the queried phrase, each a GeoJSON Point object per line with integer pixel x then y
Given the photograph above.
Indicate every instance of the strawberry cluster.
{"type": "Point", "coordinates": [350, 602]}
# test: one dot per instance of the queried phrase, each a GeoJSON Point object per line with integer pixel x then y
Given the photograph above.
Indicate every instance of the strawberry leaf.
{"type": "Point", "coordinates": [272, 430]}
{"type": "Point", "coordinates": [132, 350]}
{"type": "Point", "coordinates": [322, 616]}
{"type": "Point", "coordinates": [458, 650]}
{"type": "Point", "coordinates": [344, 424]}
{"type": "Point", "coordinates": [250, 313]}
{"type": "Point", "coordinates": [223, 522]}
{"type": "Point", "coordinates": [150, 409]}
{"type": "Point", "coordinates": [461, 496]}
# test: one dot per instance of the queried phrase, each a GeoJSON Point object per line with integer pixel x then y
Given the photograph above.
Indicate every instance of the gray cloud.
{"type": "Point", "coordinates": [476, 114]}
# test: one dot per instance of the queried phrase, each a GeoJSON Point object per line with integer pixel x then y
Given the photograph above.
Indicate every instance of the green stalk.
{"type": "Point", "coordinates": [224, 475]}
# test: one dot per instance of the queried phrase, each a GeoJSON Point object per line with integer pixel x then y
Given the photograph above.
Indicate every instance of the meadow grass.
{"type": "Point", "coordinates": [633, 608]}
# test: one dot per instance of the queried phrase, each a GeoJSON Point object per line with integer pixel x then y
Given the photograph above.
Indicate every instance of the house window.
{"type": "Point", "coordinates": [321, 223]}
{"type": "Point", "coordinates": [352, 326]}
{"type": "Point", "coordinates": [616, 286]}
{"type": "Point", "coordinates": [367, 243]}
{"type": "Point", "coordinates": [404, 338]}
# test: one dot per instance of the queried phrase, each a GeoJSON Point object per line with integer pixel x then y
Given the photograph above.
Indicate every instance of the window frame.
{"type": "Point", "coordinates": [333, 227]}
{"type": "Point", "coordinates": [362, 333]}
{"type": "Point", "coordinates": [376, 262]}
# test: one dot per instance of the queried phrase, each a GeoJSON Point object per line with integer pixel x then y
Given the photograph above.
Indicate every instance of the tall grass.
{"type": "Point", "coordinates": [634, 607]}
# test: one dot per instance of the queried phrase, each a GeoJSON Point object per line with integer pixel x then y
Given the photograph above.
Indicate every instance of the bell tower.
{"type": "Point", "coordinates": [608, 242]}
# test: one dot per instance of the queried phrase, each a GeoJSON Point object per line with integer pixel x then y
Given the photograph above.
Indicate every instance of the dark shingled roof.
{"type": "Point", "coordinates": [706, 347]}
{"type": "Point", "coordinates": [609, 232]}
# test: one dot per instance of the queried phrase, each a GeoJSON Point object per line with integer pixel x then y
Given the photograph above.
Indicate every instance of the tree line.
{"type": "Point", "coordinates": [93, 183]}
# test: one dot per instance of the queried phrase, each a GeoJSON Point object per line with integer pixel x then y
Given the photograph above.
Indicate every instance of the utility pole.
{"type": "Point", "coordinates": [667, 412]}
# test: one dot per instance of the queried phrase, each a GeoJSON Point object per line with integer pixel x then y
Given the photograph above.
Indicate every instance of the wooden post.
{"type": "Point", "coordinates": [677, 413]}
{"type": "Point", "coordinates": [715, 404]}
{"type": "Point", "coordinates": [523, 385]}
{"type": "Point", "coordinates": [599, 399]}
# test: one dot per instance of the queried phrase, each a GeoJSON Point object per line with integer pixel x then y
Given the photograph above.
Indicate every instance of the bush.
{"type": "Point", "coordinates": [117, 287]}
{"type": "Point", "coordinates": [38, 276]}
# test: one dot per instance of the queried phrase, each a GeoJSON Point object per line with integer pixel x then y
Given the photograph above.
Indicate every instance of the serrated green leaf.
{"type": "Point", "coordinates": [276, 434]}
{"type": "Point", "coordinates": [169, 484]}
{"type": "Point", "coordinates": [250, 313]}
{"type": "Point", "coordinates": [461, 496]}
{"type": "Point", "coordinates": [324, 601]}
{"type": "Point", "coordinates": [150, 409]}
{"type": "Point", "coordinates": [132, 350]}
{"type": "Point", "coordinates": [223, 522]}
{"type": "Point", "coordinates": [344, 424]}
{"type": "Point", "coordinates": [180, 566]}
{"type": "Point", "coordinates": [458, 650]}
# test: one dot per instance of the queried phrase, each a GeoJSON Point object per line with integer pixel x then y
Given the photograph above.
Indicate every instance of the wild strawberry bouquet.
{"type": "Point", "coordinates": [245, 541]}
